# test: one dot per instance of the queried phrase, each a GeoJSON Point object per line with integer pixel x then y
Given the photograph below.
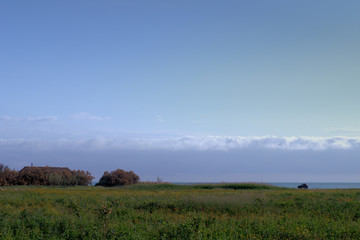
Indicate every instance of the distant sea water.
{"type": "Point", "coordinates": [319, 185]}
{"type": "Point", "coordinates": [295, 185]}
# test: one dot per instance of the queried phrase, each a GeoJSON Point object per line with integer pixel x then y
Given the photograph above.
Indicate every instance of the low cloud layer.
{"type": "Point", "coordinates": [196, 158]}
{"type": "Point", "coordinates": [197, 143]}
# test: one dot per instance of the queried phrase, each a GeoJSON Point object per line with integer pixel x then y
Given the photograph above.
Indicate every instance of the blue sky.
{"type": "Point", "coordinates": [121, 78]}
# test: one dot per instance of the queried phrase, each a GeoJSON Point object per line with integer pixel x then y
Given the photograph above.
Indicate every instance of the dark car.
{"type": "Point", "coordinates": [303, 186]}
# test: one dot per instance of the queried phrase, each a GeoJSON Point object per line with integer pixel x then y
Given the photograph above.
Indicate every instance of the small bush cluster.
{"type": "Point", "coordinates": [44, 176]}
{"type": "Point", "coordinates": [118, 177]}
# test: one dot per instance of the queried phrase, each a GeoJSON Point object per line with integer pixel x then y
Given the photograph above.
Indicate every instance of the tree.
{"type": "Point", "coordinates": [82, 178]}
{"type": "Point", "coordinates": [118, 177]}
{"type": "Point", "coordinates": [7, 176]}
{"type": "Point", "coordinates": [3, 181]}
{"type": "Point", "coordinates": [45, 176]}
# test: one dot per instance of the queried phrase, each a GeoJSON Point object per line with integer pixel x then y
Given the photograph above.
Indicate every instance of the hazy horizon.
{"type": "Point", "coordinates": [205, 91]}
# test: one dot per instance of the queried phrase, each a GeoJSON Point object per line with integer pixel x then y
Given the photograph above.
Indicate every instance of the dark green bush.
{"type": "Point", "coordinates": [118, 177]}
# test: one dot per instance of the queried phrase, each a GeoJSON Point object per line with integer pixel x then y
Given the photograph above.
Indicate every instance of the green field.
{"type": "Point", "coordinates": [164, 211]}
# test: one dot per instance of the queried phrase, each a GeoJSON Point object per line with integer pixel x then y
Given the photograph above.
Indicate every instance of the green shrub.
{"type": "Point", "coordinates": [118, 177]}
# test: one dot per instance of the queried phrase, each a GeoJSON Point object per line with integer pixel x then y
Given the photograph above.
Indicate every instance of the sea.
{"type": "Point", "coordinates": [319, 185]}
{"type": "Point", "coordinates": [312, 185]}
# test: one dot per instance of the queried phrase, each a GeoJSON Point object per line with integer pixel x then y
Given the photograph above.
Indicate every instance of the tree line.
{"type": "Point", "coordinates": [57, 176]}
{"type": "Point", "coordinates": [45, 176]}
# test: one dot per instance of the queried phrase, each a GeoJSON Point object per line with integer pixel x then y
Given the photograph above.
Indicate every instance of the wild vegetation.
{"type": "Point", "coordinates": [165, 211]}
{"type": "Point", "coordinates": [46, 176]}
{"type": "Point", "coordinates": [61, 176]}
{"type": "Point", "coordinates": [118, 177]}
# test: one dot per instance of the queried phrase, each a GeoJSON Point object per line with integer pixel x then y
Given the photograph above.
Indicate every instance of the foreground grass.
{"type": "Point", "coordinates": [178, 212]}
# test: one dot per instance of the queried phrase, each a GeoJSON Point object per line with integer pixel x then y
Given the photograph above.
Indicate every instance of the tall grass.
{"type": "Point", "coordinates": [177, 212]}
{"type": "Point", "coordinates": [167, 186]}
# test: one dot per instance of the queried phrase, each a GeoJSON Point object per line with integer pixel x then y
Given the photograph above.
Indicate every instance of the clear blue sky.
{"type": "Point", "coordinates": [115, 71]}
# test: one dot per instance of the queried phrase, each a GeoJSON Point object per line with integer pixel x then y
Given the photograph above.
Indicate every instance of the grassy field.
{"type": "Point", "coordinates": [164, 211]}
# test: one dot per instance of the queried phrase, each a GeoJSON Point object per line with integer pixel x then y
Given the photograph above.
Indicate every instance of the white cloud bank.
{"type": "Point", "coordinates": [198, 143]}
{"type": "Point", "coordinates": [238, 142]}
